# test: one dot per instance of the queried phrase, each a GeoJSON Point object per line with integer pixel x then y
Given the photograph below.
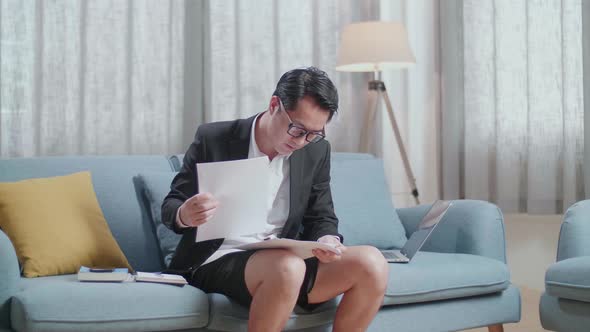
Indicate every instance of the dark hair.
{"type": "Point", "coordinates": [307, 82]}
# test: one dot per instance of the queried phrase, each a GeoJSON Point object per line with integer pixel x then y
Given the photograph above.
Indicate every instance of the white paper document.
{"type": "Point", "coordinates": [160, 278]}
{"type": "Point", "coordinates": [241, 187]}
{"type": "Point", "coordinates": [302, 249]}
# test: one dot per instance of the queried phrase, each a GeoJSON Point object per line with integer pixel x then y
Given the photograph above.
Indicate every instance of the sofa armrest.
{"type": "Point", "coordinates": [469, 227]}
{"type": "Point", "coordinates": [10, 276]}
{"type": "Point", "coordinates": [574, 236]}
{"type": "Point", "coordinates": [568, 279]}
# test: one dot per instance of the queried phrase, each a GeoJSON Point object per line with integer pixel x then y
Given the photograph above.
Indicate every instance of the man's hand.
{"type": "Point", "coordinates": [328, 256]}
{"type": "Point", "coordinates": [198, 209]}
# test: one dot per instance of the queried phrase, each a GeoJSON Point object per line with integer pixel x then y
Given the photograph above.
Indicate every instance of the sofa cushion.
{"type": "Point", "coordinates": [156, 186]}
{"type": "Point", "coordinates": [559, 314]}
{"type": "Point", "coordinates": [10, 276]}
{"type": "Point", "coordinates": [569, 279]}
{"type": "Point", "coordinates": [428, 277]}
{"type": "Point", "coordinates": [120, 201]}
{"type": "Point", "coordinates": [228, 315]}
{"type": "Point", "coordinates": [355, 176]}
{"type": "Point", "coordinates": [340, 156]}
{"type": "Point", "coordinates": [62, 303]}
{"type": "Point", "coordinates": [56, 225]}
{"type": "Point", "coordinates": [362, 203]}
{"type": "Point", "coordinates": [434, 276]}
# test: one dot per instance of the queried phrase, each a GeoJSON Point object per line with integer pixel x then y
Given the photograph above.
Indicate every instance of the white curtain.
{"type": "Point", "coordinates": [415, 95]}
{"type": "Point", "coordinates": [250, 46]}
{"type": "Point", "coordinates": [586, 52]}
{"type": "Point", "coordinates": [138, 77]}
{"type": "Point", "coordinates": [91, 77]}
{"type": "Point", "coordinates": [513, 124]}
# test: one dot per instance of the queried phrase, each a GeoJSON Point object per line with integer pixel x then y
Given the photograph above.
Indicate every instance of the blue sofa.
{"type": "Point", "coordinates": [459, 281]}
{"type": "Point", "coordinates": [565, 304]}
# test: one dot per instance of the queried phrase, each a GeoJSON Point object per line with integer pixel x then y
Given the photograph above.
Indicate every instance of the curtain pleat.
{"type": "Point", "coordinates": [91, 77]}
{"type": "Point", "coordinates": [511, 94]}
{"type": "Point", "coordinates": [17, 78]}
{"type": "Point", "coordinates": [252, 46]}
{"type": "Point", "coordinates": [415, 96]}
{"type": "Point", "coordinates": [523, 104]}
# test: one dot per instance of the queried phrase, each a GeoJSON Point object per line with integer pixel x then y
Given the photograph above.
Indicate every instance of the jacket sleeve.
{"type": "Point", "coordinates": [184, 185]}
{"type": "Point", "coordinates": [319, 218]}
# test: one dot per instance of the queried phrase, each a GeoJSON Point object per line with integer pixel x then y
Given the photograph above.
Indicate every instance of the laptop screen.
{"type": "Point", "coordinates": [426, 226]}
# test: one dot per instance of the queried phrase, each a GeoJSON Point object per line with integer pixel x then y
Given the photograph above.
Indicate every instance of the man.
{"type": "Point", "coordinates": [271, 282]}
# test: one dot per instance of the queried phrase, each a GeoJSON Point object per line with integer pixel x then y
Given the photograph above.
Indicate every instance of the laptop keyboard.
{"type": "Point", "coordinates": [392, 255]}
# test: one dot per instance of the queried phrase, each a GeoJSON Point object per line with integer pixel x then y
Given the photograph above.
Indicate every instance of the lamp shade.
{"type": "Point", "coordinates": [374, 46]}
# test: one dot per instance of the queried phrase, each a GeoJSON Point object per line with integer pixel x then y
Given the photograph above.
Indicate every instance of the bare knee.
{"type": "Point", "coordinates": [373, 268]}
{"type": "Point", "coordinates": [284, 272]}
{"type": "Point", "coordinates": [288, 269]}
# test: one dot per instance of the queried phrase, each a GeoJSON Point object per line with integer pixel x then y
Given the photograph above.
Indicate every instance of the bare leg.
{"type": "Point", "coordinates": [273, 278]}
{"type": "Point", "coordinates": [361, 275]}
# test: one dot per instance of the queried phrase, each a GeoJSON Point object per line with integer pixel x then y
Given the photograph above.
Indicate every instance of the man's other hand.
{"type": "Point", "coordinates": [325, 256]}
{"type": "Point", "coordinates": [198, 209]}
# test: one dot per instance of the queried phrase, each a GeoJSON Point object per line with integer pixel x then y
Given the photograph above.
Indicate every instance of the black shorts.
{"type": "Point", "coordinates": [226, 275]}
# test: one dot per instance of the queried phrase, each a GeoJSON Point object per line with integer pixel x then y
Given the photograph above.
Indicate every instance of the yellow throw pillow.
{"type": "Point", "coordinates": [56, 225]}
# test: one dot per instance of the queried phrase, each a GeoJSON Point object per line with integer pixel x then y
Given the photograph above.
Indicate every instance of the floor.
{"type": "Point", "coordinates": [531, 246]}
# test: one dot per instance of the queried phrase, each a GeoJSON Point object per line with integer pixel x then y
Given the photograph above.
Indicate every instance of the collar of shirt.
{"type": "Point", "coordinates": [253, 150]}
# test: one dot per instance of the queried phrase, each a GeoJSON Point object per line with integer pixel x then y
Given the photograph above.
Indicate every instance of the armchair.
{"type": "Point", "coordinates": [565, 305]}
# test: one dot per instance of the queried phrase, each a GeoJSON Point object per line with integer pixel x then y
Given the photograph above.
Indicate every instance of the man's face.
{"type": "Point", "coordinates": [307, 115]}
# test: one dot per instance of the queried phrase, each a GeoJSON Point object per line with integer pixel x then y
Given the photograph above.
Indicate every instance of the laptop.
{"type": "Point", "coordinates": [419, 237]}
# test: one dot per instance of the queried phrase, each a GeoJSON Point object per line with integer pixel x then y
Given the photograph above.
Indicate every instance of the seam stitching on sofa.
{"type": "Point", "coordinates": [170, 163]}
{"type": "Point", "coordinates": [564, 284]}
{"type": "Point", "coordinates": [501, 220]}
{"type": "Point", "coordinates": [451, 288]}
{"type": "Point", "coordinates": [115, 320]}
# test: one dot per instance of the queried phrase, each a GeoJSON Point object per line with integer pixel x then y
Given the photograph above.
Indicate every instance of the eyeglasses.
{"type": "Point", "coordinates": [296, 131]}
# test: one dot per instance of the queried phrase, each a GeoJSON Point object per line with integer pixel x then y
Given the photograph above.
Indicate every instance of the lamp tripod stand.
{"type": "Point", "coordinates": [376, 91]}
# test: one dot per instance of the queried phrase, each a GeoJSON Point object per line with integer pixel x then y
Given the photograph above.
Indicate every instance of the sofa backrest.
{"type": "Point", "coordinates": [362, 200]}
{"type": "Point", "coordinates": [118, 193]}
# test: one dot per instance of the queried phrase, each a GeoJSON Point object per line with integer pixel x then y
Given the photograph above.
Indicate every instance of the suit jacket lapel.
{"type": "Point", "coordinates": [239, 144]}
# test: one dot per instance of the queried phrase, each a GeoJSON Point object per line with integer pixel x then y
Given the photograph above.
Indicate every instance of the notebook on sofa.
{"type": "Point", "coordinates": [429, 222]}
{"type": "Point", "coordinates": [160, 278]}
{"type": "Point", "coordinates": [103, 274]}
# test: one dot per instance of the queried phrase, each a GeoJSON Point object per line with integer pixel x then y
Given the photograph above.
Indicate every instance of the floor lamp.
{"type": "Point", "coordinates": [373, 47]}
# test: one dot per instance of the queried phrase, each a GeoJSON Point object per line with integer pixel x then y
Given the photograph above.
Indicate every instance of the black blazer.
{"type": "Point", "coordinates": [311, 212]}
